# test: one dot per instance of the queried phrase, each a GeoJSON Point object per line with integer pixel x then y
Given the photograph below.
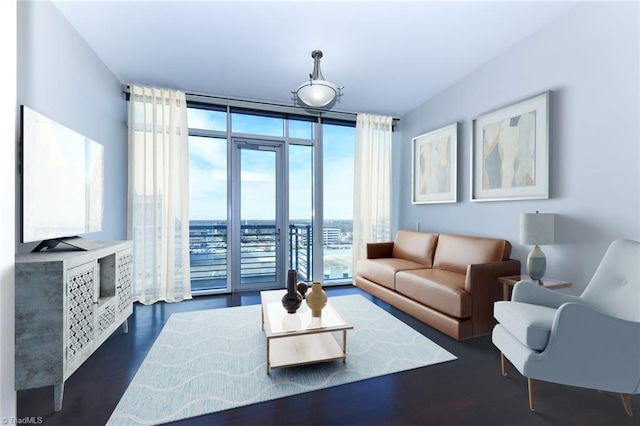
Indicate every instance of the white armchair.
{"type": "Point", "coordinates": [590, 341]}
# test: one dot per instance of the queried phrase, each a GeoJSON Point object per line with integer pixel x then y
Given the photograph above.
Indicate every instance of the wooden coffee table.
{"type": "Point", "coordinates": [298, 339]}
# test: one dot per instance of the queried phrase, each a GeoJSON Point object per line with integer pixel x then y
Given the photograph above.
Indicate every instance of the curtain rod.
{"type": "Point", "coordinates": [265, 106]}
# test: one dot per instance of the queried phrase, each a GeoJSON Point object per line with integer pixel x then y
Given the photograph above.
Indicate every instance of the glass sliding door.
{"type": "Point", "coordinates": [258, 221]}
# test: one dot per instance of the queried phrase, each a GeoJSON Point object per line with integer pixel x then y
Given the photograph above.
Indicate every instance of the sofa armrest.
{"type": "Point", "coordinates": [482, 284]}
{"type": "Point", "coordinates": [482, 274]}
{"type": "Point", "coordinates": [379, 250]}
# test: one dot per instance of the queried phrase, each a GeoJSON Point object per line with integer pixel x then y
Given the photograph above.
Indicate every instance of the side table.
{"type": "Point", "coordinates": [510, 281]}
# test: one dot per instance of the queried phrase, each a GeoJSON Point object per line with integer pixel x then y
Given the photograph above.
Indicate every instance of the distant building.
{"type": "Point", "coordinates": [331, 236]}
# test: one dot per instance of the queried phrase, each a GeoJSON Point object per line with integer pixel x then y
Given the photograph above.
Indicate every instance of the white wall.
{"type": "Point", "coordinates": [589, 58]}
{"type": "Point", "coordinates": [7, 212]}
{"type": "Point", "coordinates": [61, 77]}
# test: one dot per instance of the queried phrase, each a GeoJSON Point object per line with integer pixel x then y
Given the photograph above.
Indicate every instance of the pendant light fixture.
{"type": "Point", "coordinates": [317, 92]}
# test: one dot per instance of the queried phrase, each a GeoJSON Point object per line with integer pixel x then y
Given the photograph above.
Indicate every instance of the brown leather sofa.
{"type": "Point", "coordinates": [447, 281]}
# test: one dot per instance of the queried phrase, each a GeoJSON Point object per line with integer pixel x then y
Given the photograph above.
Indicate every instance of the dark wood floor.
{"type": "Point", "coordinates": [468, 391]}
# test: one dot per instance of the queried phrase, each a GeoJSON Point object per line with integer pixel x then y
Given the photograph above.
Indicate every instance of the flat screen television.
{"type": "Point", "coordinates": [62, 180]}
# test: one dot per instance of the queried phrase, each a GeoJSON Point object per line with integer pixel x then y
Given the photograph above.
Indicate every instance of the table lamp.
{"type": "Point", "coordinates": [536, 229]}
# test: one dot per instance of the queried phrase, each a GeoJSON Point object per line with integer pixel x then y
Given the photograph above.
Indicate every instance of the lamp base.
{"type": "Point", "coordinates": [536, 264]}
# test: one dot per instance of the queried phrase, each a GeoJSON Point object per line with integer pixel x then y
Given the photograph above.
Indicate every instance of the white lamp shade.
{"type": "Point", "coordinates": [537, 228]}
{"type": "Point", "coordinates": [317, 93]}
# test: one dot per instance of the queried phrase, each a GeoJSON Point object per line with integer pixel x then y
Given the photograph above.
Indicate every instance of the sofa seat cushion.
{"type": "Point", "coordinates": [530, 324]}
{"type": "Point", "coordinates": [383, 271]}
{"type": "Point", "coordinates": [439, 289]}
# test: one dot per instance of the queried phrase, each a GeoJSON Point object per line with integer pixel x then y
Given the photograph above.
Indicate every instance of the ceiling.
{"type": "Point", "coordinates": [389, 56]}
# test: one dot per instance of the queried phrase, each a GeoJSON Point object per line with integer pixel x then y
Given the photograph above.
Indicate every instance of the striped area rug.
{"type": "Point", "coordinates": [212, 360]}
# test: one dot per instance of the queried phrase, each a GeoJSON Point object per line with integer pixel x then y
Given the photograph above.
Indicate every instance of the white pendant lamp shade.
{"type": "Point", "coordinates": [317, 92]}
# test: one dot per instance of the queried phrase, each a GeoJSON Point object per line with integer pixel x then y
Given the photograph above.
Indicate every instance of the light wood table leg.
{"type": "Point", "coordinates": [344, 346]}
{"type": "Point", "coordinates": [626, 401]}
{"type": "Point", "coordinates": [505, 291]}
{"type": "Point", "coordinates": [503, 364]}
{"type": "Point", "coordinates": [533, 388]}
{"type": "Point", "coordinates": [268, 341]}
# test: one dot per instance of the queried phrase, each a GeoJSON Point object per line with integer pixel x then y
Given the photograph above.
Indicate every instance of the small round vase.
{"type": "Point", "coordinates": [302, 289]}
{"type": "Point", "coordinates": [292, 298]}
{"type": "Point", "coordinates": [316, 299]}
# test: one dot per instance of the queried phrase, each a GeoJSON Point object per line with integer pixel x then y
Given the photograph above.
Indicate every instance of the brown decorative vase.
{"type": "Point", "coordinates": [292, 299]}
{"type": "Point", "coordinates": [302, 289]}
{"type": "Point", "coordinates": [316, 299]}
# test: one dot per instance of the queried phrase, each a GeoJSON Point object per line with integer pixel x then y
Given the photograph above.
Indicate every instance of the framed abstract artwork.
{"type": "Point", "coordinates": [510, 152]}
{"type": "Point", "coordinates": [434, 166]}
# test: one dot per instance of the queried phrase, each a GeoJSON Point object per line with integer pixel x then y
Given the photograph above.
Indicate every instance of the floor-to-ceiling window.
{"type": "Point", "coordinates": [337, 232]}
{"type": "Point", "coordinates": [301, 192]}
{"type": "Point", "coordinates": [208, 199]}
{"type": "Point", "coordinates": [255, 177]}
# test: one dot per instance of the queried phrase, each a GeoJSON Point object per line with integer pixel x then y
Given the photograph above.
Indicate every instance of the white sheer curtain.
{"type": "Point", "coordinates": [372, 183]}
{"type": "Point", "coordinates": [159, 194]}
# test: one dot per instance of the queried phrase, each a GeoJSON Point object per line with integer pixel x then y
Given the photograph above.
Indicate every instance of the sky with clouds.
{"type": "Point", "coordinates": [208, 169]}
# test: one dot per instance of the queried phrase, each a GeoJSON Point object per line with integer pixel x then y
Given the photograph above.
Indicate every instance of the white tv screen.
{"type": "Point", "coordinates": [62, 180]}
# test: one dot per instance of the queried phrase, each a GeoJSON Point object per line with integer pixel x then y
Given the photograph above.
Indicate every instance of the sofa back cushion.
{"type": "Point", "coordinates": [455, 252]}
{"type": "Point", "coordinates": [415, 246]}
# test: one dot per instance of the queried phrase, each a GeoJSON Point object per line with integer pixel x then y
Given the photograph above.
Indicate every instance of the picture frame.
{"type": "Point", "coordinates": [510, 151]}
{"type": "Point", "coordinates": [434, 166]}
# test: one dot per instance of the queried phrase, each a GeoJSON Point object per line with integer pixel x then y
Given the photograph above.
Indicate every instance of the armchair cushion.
{"type": "Point", "coordinates": [530, 324]}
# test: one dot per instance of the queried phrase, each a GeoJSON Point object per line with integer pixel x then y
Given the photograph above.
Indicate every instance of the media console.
{"type": "Point", "coordinates": [68, 303]}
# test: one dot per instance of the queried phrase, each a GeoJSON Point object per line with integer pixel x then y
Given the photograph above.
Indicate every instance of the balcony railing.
{"type": "Point", "coordinates": [208, 252]}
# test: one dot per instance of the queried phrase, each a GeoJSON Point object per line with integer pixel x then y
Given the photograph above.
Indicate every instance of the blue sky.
{"type": "Point", "coordinates": [208, 169]}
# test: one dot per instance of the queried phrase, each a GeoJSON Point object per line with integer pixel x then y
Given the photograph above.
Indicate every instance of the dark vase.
{"type": "Point", "coordinates": [302, 288]}
{"type": "Point", "coordinates": [292, 299]}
